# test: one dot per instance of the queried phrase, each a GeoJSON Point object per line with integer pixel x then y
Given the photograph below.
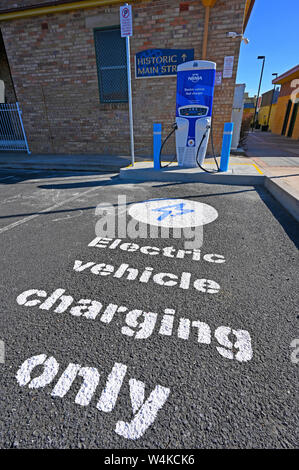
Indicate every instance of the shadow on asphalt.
{"type": "Point", "coordinates": [61, 211]}
{"type": "Point", "coordinates": [283, 176]}
{"type": "Point", "coordinates": [14, 176]}
{"type": "Point", "coordinates": [287, 222]}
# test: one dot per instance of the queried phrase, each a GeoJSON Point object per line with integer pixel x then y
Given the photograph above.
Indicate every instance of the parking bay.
{"type": "Point", "coordinates": [214, 401]}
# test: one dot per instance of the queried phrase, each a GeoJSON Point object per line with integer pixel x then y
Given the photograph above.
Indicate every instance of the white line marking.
{"type": "Point", "coordinates": [59, 179]}
{"type": "Point", "coordinates": [2, 352]}
{"type": "Point", "coordinates": [6, 178]}
{"type": "Point", "coordinates": [30, 217]}
{"type": "Point", "coordinates": [68, 216]}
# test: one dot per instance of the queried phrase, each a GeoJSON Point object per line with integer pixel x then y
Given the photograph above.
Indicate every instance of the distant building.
{"type": "Point", "coordinates": [268, 108]}
{"type": "Point", "coordinates": [249, 106]}
{"type": "Point", "coordinates": [286, 118]}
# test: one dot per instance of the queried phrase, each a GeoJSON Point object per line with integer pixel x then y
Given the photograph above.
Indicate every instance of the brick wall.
{"type": "Point", "coordinates": [53, 64]}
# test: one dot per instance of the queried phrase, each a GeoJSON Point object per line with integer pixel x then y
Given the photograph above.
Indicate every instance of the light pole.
{"type": "Point", "coordinates": [273, 93]}
{"type": "Point", "coordinates": [258, 93]}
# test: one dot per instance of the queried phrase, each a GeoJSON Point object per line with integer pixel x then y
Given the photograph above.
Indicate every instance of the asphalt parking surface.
{"type": "Point", "coordinates": [234, 392]}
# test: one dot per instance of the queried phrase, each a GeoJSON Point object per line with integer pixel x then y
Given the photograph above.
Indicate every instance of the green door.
{"type": "Point", "coordinates": [293, 119]}
{"type": "Point", "coordinates": [286, 118]}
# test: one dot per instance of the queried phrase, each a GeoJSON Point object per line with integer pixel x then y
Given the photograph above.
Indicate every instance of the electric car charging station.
{"type": "Point", "coordinates": [194, 101]}
{"type": "Point", "coordinates": [192, 128]}
{"type": "Point", "coordinates": [193, 124]}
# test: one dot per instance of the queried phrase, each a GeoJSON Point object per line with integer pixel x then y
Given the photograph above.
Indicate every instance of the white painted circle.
{"type": "Point", "coordinates": [173, 213]}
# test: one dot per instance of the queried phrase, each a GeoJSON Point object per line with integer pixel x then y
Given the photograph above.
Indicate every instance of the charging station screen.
{"type": "Point", "coordinates": [193, 112]}
{"type": "Point", "coordinates": [195, 87]}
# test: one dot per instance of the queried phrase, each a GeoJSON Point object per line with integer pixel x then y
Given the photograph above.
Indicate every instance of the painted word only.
{"type": "Point", "coordinates": [193, 254]}
{"type": "Point", "coordinates": [162, 279]}
{"type": "Point", "coordinates": [140, 325]}
{"type": "Point", "coordinates": [144, 411]}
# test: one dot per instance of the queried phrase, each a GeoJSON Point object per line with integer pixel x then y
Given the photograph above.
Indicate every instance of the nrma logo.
{"type": "Point", "coordinates": [195, 78]}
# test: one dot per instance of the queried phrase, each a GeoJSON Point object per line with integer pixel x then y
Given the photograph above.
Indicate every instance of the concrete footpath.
{"type": "Point", "coordinates": [62, 162]}
{"type": "Point", "coordinates": [278, 157]}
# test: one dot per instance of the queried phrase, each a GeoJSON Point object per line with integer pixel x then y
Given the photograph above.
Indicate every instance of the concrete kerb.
{"type": "Point", "coordinates": [283, 196]}
{"type": "Point", "coordinates": [241, 174]}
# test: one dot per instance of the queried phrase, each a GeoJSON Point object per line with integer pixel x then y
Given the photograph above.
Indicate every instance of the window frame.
{"type": "Point", "coordinates": [103, 101]}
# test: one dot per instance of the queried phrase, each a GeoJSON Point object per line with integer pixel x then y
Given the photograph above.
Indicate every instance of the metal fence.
{"type": "Point", "coordinates": [12, 132]}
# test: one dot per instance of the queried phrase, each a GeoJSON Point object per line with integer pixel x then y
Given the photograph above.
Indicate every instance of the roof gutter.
{"type": "Point", "coordinates": [286, 76]}
{"type": "Point", "coordinates": [57, 7]}
{"type": "Point", "coordinates": [208, 4]}
{"type": "Point", "coordinates": [248, 10]}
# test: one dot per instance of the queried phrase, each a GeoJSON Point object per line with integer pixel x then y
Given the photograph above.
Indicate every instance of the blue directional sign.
{"type": "Point", "coordinates": [172, 211]}
{"type": "Point", "coordinates": [160, 62]}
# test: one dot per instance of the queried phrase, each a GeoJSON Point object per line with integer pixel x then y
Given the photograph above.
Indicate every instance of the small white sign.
{"type": "Point", "coordinates": [126, 26]}
{"type": "Point", "coordinates": [218, 78]}
{"type": "Point", "coordinates": [228, 66]}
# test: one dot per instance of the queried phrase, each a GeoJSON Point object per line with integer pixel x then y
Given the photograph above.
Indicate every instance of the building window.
{"type": "Point", "coordinates": [112, 65]}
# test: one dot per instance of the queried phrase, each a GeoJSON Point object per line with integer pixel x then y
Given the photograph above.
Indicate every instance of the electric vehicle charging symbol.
{"type": "Point", "coordinates": [166, 213]}
{"type": "Point", "coordinates": [173, 213]}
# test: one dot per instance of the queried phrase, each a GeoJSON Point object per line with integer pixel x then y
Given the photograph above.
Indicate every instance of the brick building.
{"type": "Point", "coordinates": [52, 56]}
{"type": "Point", "coordinates": [266, 114]}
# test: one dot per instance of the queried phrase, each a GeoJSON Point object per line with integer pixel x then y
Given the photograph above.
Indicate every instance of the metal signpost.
{"type": "Point", "coordinates": [126, 30]}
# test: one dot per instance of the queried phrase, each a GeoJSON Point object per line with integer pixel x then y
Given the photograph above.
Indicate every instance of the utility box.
{"type": "Point", "coordinates": [237, 114]}
{"type": "Point", "coordinates": [2, 92]}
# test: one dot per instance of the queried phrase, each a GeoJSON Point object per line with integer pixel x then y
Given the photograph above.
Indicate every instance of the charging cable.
{"type": "Point", "coordinates": [174, 128]}
{"type": "Point", "coordinates": [198, 149]}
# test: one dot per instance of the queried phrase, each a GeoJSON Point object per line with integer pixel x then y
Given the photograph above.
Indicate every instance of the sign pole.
{"type": "Point", "coordinates": [126, 30]}
{"type": "Point", "coordinates": [130, 98]}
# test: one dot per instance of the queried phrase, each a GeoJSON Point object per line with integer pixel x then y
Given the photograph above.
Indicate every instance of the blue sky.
{"type": "Point", "coordinates": [273, 31]}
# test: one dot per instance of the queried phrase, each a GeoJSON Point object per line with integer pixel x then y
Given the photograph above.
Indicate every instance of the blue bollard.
{"type": "Point", "coordinates": [157, 131]}
{"type": "Point", "coordinates": [226, 144]}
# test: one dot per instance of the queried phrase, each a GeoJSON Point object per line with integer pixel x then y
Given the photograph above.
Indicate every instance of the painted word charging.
{"type": "Point", "coordinates": [138, 324]}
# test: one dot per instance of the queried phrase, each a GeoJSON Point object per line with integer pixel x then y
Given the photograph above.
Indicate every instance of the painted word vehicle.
{"type": "Point", "coordinates": [194, 254]}
{"type": "Point", "coordinates": [144, 410]}
{"type": "Point", "coordinates": [165, 279]}
{"type": "Point", "coordinates": [141, 325]}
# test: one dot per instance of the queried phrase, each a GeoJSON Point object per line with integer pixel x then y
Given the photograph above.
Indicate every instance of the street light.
{"type": "Point", "coordinates": [258, 93]}
{"type": "Point", "coordinates": [273, 93]}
